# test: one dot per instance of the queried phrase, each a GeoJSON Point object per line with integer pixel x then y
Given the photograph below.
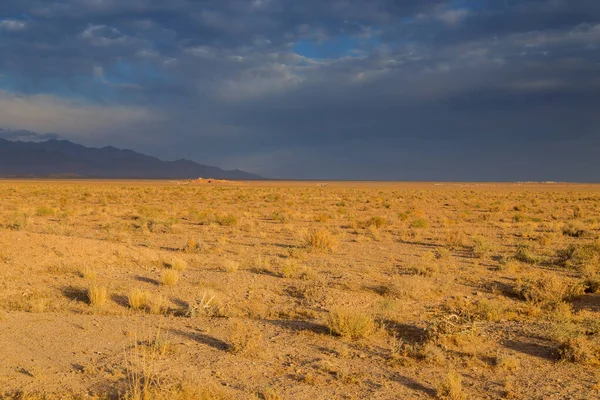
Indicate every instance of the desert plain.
{"type": "Point", "coordinates": [299, 290]}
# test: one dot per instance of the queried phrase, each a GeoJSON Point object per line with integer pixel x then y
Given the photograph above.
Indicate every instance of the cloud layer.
{"type": "Point", "coordinates": [413, 89]}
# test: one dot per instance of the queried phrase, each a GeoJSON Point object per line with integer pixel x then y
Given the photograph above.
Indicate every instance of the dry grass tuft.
{"type": "Point", "coordinates": [456, 238]}
{"type": "Point", "coordinates": [193, 246]}
{"type": "Point", "coordinates": [377, 222]}
{"type": "Point", "coordinates": [451, 387]}
{"type": "Point", "coordinates": [481, 247]}
{"type": "Point", "coordinates": [244, 338]}
{"type": "Point", "coordinates": [157, 304]}
{"type": "Point", "coordinates": [174, 392]}
{"type": "Point", "coordinates": [547, 290]}
{"type": "Point", "coordinates": [97, 296]}
{"type": "Point", "coordinates": [580, 350]}
{"type": "Point", "coordinates": [350, 324]}
{"type": "Point", "coordinates": [207, 305]}
{"type": "Point", "coordinates": [88, 273]}
{"type": "Point", "coordinates": [425, 269]}
{"type": "Point", "coordinates": [178, 264]}
{"type": "Point", "coordinates": [578, 342]}
{"type": "Point", "coordinates": [291, 269]}
{"type": "Point", "coordinates": [138, 299]}
{"type": "Point", "coordinates": [169, 277]}
{"type": "Point", "coordinates": [320, 240]}
{"type": "Point", "coordinates": [151, 302]}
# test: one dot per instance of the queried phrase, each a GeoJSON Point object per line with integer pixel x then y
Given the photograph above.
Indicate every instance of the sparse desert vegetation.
{"type": "Point", "coordinates": [290, 290]}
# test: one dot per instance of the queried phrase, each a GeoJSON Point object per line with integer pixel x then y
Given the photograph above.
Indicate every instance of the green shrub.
{"type": "Point", "coordinates": [44, 211]}
{"type": "Point", "coordinates": [524, 254]}
{"type": "Point", "coordinates": [579, 257]}
{"type": "Point", "coordinates": [419, 223]}
{"type": "Point", "coordinates": [16, 221]}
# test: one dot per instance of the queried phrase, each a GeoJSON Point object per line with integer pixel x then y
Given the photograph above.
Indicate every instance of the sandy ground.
{"type": "Point", "coordinates": [440, 301]}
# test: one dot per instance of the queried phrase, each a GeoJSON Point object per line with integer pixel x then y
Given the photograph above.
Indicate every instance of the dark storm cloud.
{"type": "Point", "coordinates": [352, 88]}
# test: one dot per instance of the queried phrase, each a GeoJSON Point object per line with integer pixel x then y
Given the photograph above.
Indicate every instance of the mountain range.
{"type": "Point", "coordinates": [62, 158]}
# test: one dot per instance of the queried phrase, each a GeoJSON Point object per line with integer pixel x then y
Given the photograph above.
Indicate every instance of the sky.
{"type": "Point", "coordinates": [484, 90]}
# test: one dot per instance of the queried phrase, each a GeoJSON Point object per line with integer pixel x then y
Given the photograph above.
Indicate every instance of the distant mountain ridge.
{"type": "Point", "coordinates": [62, 158]}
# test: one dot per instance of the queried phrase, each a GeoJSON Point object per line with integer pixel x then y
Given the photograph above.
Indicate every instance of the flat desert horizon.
{"type": "Point", "coordinates": [298, 289]}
